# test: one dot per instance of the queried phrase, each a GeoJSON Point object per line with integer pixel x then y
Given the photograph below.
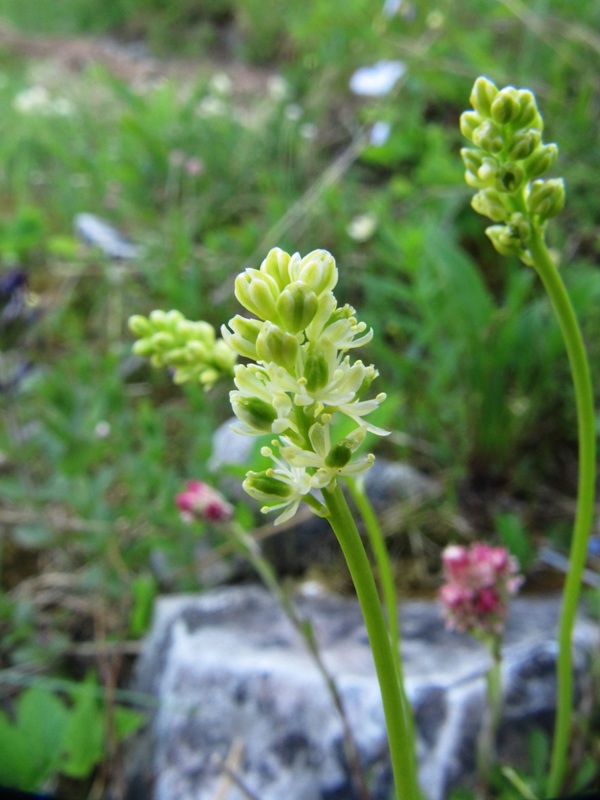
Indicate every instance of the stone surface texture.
{"type": "Point", "coordinates": [243, 712]}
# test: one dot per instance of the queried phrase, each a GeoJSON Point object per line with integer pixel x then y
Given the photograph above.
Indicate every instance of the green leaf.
{"type": "Point", "coordinates": [16, 768]}
{"type": "Point", "coordinates": [83, 745]}
{"type": "Point", "coordinates": [30, 747]}
{"type": "Point", "coordinates": [42, 719]}
{"type": "Point", "coordinates": [127, 721]}
{"type": "Point", "coordinates": [144, 590]}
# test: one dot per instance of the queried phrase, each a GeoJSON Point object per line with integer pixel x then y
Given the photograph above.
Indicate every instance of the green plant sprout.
{"type": "Point", "coordinates": [505, 165]}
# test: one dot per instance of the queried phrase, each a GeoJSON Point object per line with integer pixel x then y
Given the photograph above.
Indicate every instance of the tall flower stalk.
{"type": "Point", "coordinates": [505, 165]}
{"type": "Point", "coordinates": [301, 385]}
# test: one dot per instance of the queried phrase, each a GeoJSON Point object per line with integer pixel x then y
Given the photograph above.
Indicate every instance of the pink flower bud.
{"type": "Point", "coordinates": [480, 580]}
{"type": "Point", "coordinates": [200, 501]}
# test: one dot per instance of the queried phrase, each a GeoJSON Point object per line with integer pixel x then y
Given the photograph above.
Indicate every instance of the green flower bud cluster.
{"type": "Point", "coordinates": [191, 349]}
{"type": "Point", "coordinates": [300, 377]}
{"type": "Point", "coordinates": [506, 163]}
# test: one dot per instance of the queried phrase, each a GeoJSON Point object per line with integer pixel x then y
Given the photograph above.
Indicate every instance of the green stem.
{"type": "Point", "coordinates": [386, 581]}
{"type": "Point", "coordinates": [384, 567]}
{"type": "Point", "coordinates": [400, 735]}
{"type": "Point", "coordinates": [487, 743]}
{"type": "Point", "coordinates": [580, 374]}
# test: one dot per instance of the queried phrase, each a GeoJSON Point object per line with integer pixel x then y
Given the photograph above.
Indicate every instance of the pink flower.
{"type": "Point", "coordinates": [200, 501]}
{"type": "Point", "coordinates": [480, 580]}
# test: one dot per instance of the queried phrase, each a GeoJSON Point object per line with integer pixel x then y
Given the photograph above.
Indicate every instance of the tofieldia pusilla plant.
{"type": "Point", "coordinates": [299, 381]}
{"type": "Point", "coordinates": [505, 163]}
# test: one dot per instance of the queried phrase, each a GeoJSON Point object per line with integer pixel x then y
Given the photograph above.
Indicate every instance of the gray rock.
{"type": "Point", "coordinates": [239, 698]}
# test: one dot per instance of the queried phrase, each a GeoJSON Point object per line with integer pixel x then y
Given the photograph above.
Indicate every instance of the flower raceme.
{"type": "Point", "coordinates": [300, 380]}
{"type": "Point", "coordinates": [479, 581]}
{"type": "Point", "coordinates": [191, 349]}
{"type": "Point", "coordinates": [505, 165]}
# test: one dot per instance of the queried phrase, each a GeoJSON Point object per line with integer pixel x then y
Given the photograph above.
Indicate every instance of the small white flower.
{"type": "Point", "coordinates": [277, 87]}
{"type": "Point", "coordinates": [380, 133]}
{"type": "Point", "coordinates": [362, 228]}
{"type": "Point", "coordinates": [378, 79]}
{"type": "Point", "coordinates": [292, 112]}
{"type": "Point", "coordinates": [221, 83]}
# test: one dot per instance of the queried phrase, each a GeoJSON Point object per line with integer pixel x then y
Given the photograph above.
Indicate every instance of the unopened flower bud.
{"type": "Point", "coordinates": [257, 291]}
{"type": "Point", "coordinates": [339, 455]}
{"type": "Point", "coordinates": [318, 270]}
{"type": "Point", "coordinates": [506, 241]}
{"type": "Point", "coordinates": [297, 305]}
{"type": "Point", "coordinates": [541, 160]}
{"type": "Point", "coordinates": [483, 95]}
{"type": "Point", "coordinates": [510, 177]}
{"type": "Point", "coordinates": [472, 159]}
{"type": "Point", "coordinates": [469, 122]}
{"type": "Point", "coordinates": [489, 203]}
{"type": "Point", "coordinates": [523, 144]}
{"type": "Point", "coordinates": [529, 116]}
{"type": "Point", "coordinates": [316, 371]}
{"type": "Point", "coordinates": [489, 137]}
{"type": "Point", "coordinates": [140, 326]}
{"type": "Point", "coordinates": [547, 198]}
{"type": "Point", "coordinates": [276, 265]}
{"type": "Point", "coordinates": [264, 486]}
{"type": "Point", "coordinates": [253, 411]}
{"type": "Point", "coordinates": [200, 501]}
{"type": "Point", "coordinates": [506, 106]}
{"type": "Point", "coordinates": [244, 336]}
{"type": "Point", "coordinates": [277, 346]}
{"type": "Point", "coordinates": [488, 170]}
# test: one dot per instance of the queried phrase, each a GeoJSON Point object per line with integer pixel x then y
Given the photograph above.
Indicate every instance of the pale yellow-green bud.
{"type": "Point", "coordinates": [316, 370]}
{"type": "Point", "coordinates": [163, 341]}
{"type": "Point", "coordinates": [488, 136]}
{"type": "Point", "coordinates": [523, 144]}
{"type": "Point", "coordinates": [472, 159]}
{"type": "Point", "coordinates": [370, 374]}
{"type": "Point", "coordinates": [510, 177]}
{"type": "Point", "coordinates": [488, 170]}
{"type": "Point", "coordinates": [469, 122]}
{"type": "Point", "coordinates": [274, 345]}
{"type": "Point", "coordinates": [339, 455]}
{"type": "Point", "coordinates": [318, 271]}
{"type": "Point", "coordinates": [243, 338]}
{"type": "Point", "coordinates": [297, 305]}
{"type": "Point", "coordinates": [520, 227]}
{"type": "Point", "coordinates": [482, 96]}
{"type": "Point", "coordinates": [547, 198]}
{"type": "Point", "coordinates": [489, 203]}
{"type": "Point", "coordinates": [140, 326]}
{"type": "Point", "coordinates": [529, 116]}
{"type": "Point", "coordinates": [264, 486]}
{"type": "Point", "coordinates": [506, 107]}
{"type": "Point", "coordinates": [258, 292]}
{"type": "Point", "coordinates": [276, 265]}
{"type": "Point", "coordinates": [143, 347]}
{"type": "Point", "coordinates": [541, 160]}
{"type": "Point", "coordinates": [223, 356]}
{"type": "Point", "coordinates": [165, 320]}
{"type": "Point", "coordinates": [504, 240]}
{"type": "Point", "coordinates": [256, 413]}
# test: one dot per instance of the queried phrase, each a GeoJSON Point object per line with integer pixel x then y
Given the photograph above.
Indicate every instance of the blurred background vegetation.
{"type": "Point", "coordinates": [208, 131]}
